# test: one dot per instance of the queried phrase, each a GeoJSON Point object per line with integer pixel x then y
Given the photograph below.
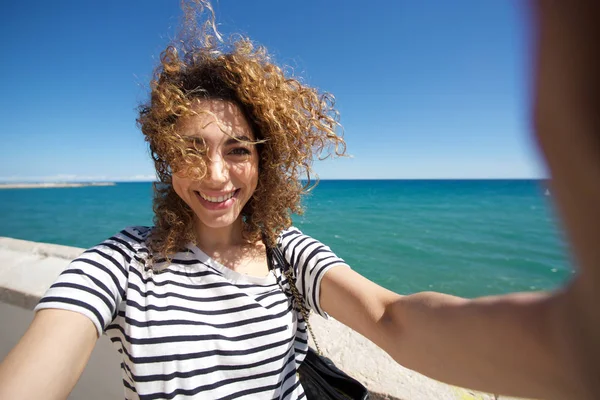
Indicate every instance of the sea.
{"type": "Point", "coordinates": [464, 237]}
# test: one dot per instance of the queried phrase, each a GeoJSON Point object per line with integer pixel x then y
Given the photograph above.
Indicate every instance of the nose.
{"type": "Point", "coordinates": [217, 171]}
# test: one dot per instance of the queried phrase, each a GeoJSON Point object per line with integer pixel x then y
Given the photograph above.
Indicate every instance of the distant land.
{"type": "Point", "coordinates": [48, 185]}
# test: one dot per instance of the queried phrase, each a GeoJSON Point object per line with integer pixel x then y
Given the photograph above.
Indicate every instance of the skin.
{"type": "Point", "coordinates": [232, 166]}
{"type": "Point", "coordinates": [538, 345]}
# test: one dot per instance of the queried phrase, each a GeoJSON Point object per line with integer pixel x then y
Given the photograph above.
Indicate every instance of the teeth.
{"type": "Point", "coordinates": [219, 199]}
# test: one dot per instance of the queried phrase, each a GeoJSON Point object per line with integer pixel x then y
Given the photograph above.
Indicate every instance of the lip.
{"type": "Point", "coordinates": [217, 206]}
{"type": "Point", "coordinates": [216, 194]}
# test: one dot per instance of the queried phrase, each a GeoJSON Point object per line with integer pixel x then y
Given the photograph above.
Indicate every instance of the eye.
{"type": "Point", "coordinates": [199, 149]}
{"type": "Point", "coordinates": [240, 151]}
{"type": "Point", "coordinates": [196, 147]}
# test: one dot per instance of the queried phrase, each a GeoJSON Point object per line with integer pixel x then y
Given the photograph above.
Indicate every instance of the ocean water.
{"type": "Point", "coordinates": [469, 238]}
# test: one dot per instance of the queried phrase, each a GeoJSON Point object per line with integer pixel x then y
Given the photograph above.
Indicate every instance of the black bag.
{"type": "Point", "coordinates": [321, 379]}
{"type": "Point", "coordinates": [318, 375]}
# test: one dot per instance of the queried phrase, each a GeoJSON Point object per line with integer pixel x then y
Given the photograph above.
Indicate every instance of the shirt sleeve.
{"type": "Point", "coordinates": [310, 259]}
{"type": "Point", "coordinates": [94, 283]}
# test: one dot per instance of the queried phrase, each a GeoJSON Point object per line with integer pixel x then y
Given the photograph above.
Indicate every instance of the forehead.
{"type": "Point", "coordinates": [215, 120]}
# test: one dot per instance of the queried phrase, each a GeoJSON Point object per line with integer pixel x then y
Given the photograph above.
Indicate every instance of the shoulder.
{"type": "Point", "coordinates": [133, 236]}
{"type": "Point", "coordinates": [129, 243]}
{"type": "Point", "coordinates": [289, 233]}
{"type": "Point", "coordinates": [294, 243]}
{"type": "Point", "coordinates": [293, 237]}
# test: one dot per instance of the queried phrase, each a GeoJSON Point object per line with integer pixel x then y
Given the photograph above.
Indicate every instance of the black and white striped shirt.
{"type": "Point", "coordinates": [196, 328]}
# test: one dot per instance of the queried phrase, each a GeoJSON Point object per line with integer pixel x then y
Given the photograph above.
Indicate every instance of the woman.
{"type": "Point", "coordinates": [193, 304]}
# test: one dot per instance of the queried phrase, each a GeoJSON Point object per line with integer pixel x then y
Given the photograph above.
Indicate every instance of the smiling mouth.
{"type": "Point", "coordinates": [218, 199]}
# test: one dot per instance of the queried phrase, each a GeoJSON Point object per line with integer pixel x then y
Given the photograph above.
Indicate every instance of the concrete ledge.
{"type": "Point", "coordinates": [27, 269]}
{"type": "Point", "coordinates": [363, 360]}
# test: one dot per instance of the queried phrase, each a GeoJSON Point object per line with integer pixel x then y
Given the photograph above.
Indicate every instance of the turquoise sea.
{"type": "Point", "coordinates": [464, 237]}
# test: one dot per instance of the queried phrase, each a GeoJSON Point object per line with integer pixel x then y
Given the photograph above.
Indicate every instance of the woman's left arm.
{"type": "Point", "coordinates": [511, 344]}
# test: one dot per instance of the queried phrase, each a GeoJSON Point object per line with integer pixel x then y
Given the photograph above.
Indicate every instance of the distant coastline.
{"type": "Point", "coordinates": [48, 185]}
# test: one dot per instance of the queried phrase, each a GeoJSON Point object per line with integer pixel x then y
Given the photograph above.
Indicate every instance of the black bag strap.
{"type": "Point", "coordinates": [288, 273]}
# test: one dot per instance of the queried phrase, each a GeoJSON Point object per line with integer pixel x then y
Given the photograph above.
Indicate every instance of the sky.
{"type": "Point", "coordinates": [426, 89]}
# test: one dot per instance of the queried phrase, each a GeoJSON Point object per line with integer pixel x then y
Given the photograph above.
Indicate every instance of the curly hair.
{"type": "Point", "coordinates": [293, 124]}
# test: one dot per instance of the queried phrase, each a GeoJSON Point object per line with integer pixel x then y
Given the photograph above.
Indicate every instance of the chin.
{"type": "Point", "coordinates": [216, 222]}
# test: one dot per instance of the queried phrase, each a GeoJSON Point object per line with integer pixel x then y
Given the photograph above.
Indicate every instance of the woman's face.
{"type": "Point", "coordinates": [218, 198]}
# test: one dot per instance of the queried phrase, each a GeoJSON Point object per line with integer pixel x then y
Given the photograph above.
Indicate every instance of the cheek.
{"type": "Point", "coordinates": [180, 186]}
{"type": "Point", "coordinates": [255, 170]}
{"type": "Point", "coordinates": [246, 173]}
{"type": "Point", "coordinates": [252, 177]}
{"type": "Point", "coordinates": [255, 175]}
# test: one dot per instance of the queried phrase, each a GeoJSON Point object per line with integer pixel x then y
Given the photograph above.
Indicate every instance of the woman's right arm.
{"type": "Point", "coordinates": [74, 312]}
{"type": "Point", "coordinates": [49, 358]}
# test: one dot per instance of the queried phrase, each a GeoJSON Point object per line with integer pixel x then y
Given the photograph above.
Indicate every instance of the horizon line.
{"type": "Point", "coordinates": [14, 182]}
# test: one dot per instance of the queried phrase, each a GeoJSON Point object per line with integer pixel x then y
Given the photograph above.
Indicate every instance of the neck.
{"type": "Point", "coordinates": [214, 239]}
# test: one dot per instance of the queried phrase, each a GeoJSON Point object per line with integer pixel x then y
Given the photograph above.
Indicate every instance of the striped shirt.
{"type": "Point", "coordinates": [196, 328]}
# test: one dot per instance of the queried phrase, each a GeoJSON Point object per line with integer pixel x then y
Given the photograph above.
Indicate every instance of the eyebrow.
{"type": "Point", "coordinates": [193, 138]}
{"type": "Point", "coordinates": [238, 139]}
{"type": "Point", "coordinates": [228, 142]}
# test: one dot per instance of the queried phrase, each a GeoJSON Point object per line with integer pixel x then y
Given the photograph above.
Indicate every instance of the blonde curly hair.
{"type": "Point", "coordinates": [293, 124]}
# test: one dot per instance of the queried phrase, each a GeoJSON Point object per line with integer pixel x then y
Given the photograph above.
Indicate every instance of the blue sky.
{"type": "Point", "coordinates": [426, 89]}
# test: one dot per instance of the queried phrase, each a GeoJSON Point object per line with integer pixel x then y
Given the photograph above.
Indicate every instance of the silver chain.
{"type": "Point", "coordinates": [298, 298]}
